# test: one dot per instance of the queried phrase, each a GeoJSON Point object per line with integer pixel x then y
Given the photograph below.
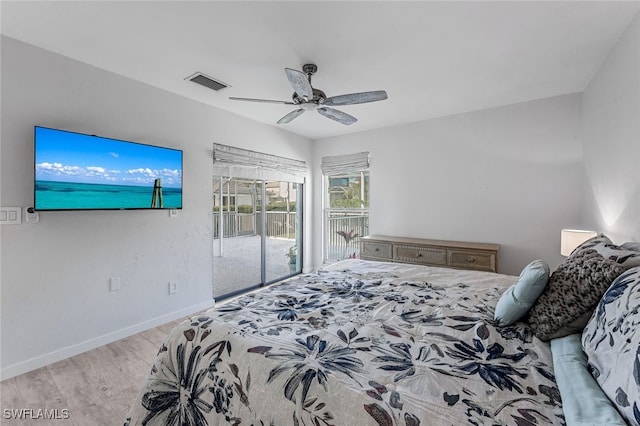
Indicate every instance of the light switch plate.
{"type": "Point", "coordinates": [10, 215]}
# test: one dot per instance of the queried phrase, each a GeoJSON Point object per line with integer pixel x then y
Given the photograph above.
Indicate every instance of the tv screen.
{"type": "Point", "coordinates": [74, 171]}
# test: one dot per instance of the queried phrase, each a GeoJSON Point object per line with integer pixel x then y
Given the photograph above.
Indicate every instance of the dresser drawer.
{"type": "Point", "coordinates": [423, 255]}
{"type": "Point", "coordinates": [480, 261]}
{"type": "Point", "coordinates": [378, 250]}
{"type": "Point", "coordinates": [420, 251]}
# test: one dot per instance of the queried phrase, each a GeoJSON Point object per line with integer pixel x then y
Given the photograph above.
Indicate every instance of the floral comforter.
{"type": "Point", "coordinates": [356, 343]}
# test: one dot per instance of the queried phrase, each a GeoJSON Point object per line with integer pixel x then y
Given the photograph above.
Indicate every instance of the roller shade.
{"type": "Point", "coordinates": [340, 164]}
{"type": "Point", "coordinates": [243, 163]}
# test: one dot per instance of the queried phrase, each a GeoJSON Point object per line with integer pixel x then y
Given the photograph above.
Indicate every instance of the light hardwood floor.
{"type": "Point", "coordinates": [96, 387]}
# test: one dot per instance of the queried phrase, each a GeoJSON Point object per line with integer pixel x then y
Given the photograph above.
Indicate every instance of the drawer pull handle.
{"type": "Point", "coordinates": [471, 259]}
{"type": "Point", "coordinates": [419, 254]}
{"type": "Point", "coordinates": [377, 249]}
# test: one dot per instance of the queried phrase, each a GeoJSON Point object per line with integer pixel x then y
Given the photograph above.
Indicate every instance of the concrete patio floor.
{"type": "Point", "coordinates": [239, 266]}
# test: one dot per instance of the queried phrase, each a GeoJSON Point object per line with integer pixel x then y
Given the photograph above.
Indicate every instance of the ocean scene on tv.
{"type": "Point", "coordinates": [76, 171]}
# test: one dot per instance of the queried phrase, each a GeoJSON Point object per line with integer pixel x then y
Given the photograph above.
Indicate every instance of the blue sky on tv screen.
{"type": "Point", "coordinates": [72, 157]}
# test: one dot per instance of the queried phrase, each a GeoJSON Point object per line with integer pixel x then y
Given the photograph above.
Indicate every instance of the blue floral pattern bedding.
{"type": "Point", "coordinates": [356, 343]}
{"type": "Point", "coordinates": [612, 344]}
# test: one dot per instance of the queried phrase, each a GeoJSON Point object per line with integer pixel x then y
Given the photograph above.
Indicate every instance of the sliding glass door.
{"type": "Point", "coordinates": [256, 233]}
{"type": "Point", "coordinates": [237, 244]}
{"type": "Point", "coordinates": [282, 220]}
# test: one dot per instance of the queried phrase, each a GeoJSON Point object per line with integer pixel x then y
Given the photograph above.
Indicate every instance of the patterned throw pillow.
{"type": "Point", "coordinates": [611, 341]}
{"type": "Point", "coordinates": [591, 242]}
{"type": "Point", "coordinates": [626, 258]}
{"type": "Point", "coordinates": [628, 254]}
{"type": "Point", "coordinates": [573, 291]}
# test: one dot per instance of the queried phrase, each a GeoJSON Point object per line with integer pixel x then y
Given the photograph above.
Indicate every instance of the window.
{"type": "Point", "coordinates": [346, 205]}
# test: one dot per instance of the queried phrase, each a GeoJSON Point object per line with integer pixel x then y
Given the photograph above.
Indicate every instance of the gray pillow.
{"type": "Point", "coordinates": [574, 327]}
{"type": "Point", "coordinates": [517, 299]}
{"type": "Point", "coordinates": [573, 291]}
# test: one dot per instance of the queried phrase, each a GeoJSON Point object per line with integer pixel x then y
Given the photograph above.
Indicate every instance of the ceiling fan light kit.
{"type": "Point", "coordinates": [308, 98]}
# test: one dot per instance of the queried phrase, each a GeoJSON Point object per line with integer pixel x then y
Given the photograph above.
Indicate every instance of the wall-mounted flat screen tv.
{"type": "Point", "coordinates": [74, 171]}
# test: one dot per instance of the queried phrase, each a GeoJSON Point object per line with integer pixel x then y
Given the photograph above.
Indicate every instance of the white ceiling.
{"type": "Point", "coordinates": [432, 58]}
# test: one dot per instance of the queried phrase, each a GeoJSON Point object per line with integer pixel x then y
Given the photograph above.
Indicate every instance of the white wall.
{"type": "Point", "coordinates": [611, 117]}
{"type": "Point", "coordinates": [55, 298]}
{"type": "Point", "coordinates": [511, 175]}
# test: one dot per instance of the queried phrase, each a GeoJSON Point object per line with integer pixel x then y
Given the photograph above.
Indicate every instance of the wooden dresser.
{"type": "Point", "coordinates": [451, 254]}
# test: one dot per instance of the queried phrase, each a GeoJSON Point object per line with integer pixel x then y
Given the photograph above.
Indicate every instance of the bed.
{"type": "Point", "coordinates": [356, 343]}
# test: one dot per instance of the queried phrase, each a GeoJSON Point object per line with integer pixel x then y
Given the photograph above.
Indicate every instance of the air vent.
{"type": "Point", "coordinates": [207, 81]}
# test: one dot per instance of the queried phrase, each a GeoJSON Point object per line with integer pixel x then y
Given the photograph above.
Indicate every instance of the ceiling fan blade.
{"type": "Point", "coordinates": [338, 116]}
{"type": "Point", "coordinates": [356, 98]}
{"type": "Point", "coordinates": [289, 117]}
{"type": "Point", "coordinates": [266, 101]}
{"type": "Point", "coordinates": [300, 83]}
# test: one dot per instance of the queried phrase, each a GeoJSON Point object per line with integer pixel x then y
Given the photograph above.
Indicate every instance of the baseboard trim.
{"type": "Point", "coordinates": [69, 351]}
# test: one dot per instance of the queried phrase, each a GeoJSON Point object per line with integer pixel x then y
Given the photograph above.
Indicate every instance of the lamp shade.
{"type": "Point", "coordinates": [572, 238]}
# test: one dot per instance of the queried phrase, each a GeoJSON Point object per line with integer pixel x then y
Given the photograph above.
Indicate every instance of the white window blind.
{"type": "Point", "coordinates": [243, 163]}
{"type": "Point", "coordinates": [339, 164]}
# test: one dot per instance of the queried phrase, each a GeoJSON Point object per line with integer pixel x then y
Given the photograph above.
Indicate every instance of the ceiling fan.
{"type": "Point", "coordinates": [309, 98]}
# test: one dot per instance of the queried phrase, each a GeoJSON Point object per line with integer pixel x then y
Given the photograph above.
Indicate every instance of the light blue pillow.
{"type": "Point", "coordinates": [516, 301]}
{"type": "Point", "coordinates": [583, 402]}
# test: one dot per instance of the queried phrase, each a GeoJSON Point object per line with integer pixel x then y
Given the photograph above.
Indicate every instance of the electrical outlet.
{"type": "Point", "coordinates": [31, 216]}
{"type": "Point", "coordinates": [114, 284]}
{"type": "Point", "coordinates": [173, 287]}
{"type": "Point", "coordinates": [173, 213]}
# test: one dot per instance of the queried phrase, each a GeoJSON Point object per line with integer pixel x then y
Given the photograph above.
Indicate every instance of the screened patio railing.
{"type": "Point", "coordinates": [279, 224]}
{"type": "Point", "coordinates": [344, 230]}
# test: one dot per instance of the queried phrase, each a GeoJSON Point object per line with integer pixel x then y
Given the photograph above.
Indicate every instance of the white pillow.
{"type": "Point", "coordinates": [631, 245]}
